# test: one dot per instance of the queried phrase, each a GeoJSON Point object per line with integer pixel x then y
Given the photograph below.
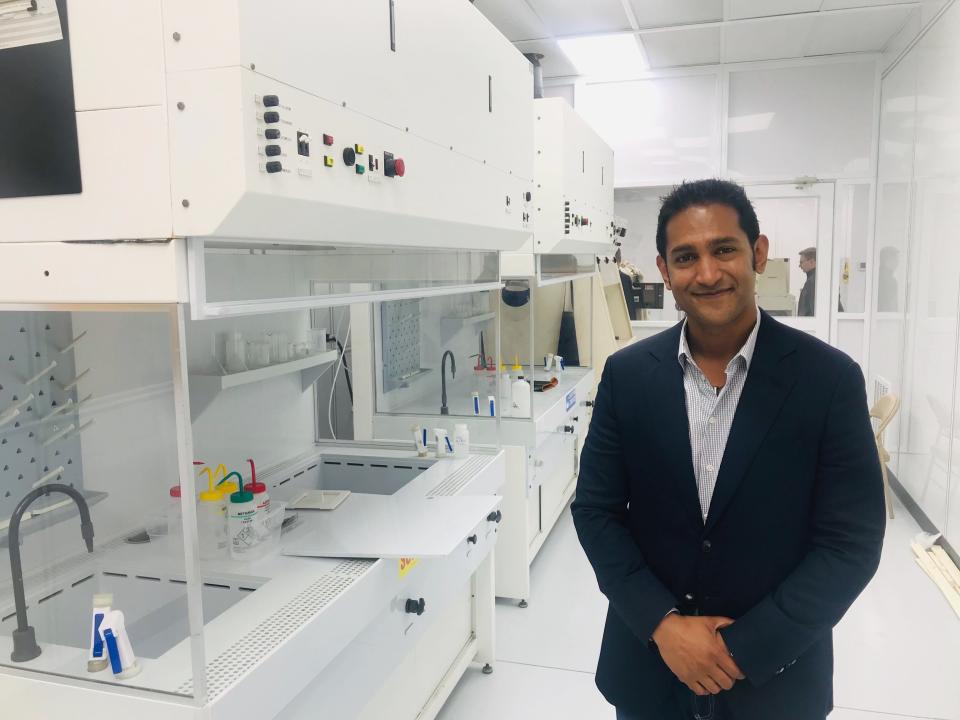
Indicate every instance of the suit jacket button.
{"type": "Point", "coordinates": [707, 546]}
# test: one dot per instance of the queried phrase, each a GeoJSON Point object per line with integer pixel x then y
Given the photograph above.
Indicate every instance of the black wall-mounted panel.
{"type": "Point", "coordinates": [39, 151]}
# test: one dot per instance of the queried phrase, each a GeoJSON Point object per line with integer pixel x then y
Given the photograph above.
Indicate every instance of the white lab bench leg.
{"type": "Point", "coordinates": [484, 609]}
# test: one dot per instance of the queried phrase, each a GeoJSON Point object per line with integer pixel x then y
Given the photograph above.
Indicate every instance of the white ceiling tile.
{"type": "Point", "coordinates": [554, 63]}
{"type": "Point", "coordinates": [767, 39]}
{"type": "Point", "coordinates": [575, 17]}
{"type": "Point", "coordinates": [841, 4]}
{"type": "Point", "coordinates": [513, 18]}
{"type": "Point", "coordinates": [661, 13]}
{"type": "Point", "coordinates": [685, 46]}
{"type": "Point", "coordinates": [740, 9]}
{"type": "Point", "coordinates": [856, 30]}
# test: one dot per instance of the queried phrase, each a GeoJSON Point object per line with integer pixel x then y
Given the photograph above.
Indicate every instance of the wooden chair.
{"type": "Point", "coordinates": [884, 411]}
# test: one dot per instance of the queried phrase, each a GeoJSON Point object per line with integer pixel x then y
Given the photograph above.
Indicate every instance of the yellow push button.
{"type": "Point", "coordinates": [328, 160]}
{"type": "Point", "coordinates": [359, 148]}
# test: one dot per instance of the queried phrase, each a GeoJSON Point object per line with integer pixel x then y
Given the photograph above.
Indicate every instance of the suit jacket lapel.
{"type": "Point", "coordinates": [769, 380]}
{"type": "Point", "coordinates": [667, 409]}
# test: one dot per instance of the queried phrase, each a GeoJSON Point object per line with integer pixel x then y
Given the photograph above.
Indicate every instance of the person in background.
{"type": "Point", "coordinates": [627, 278]}
{"type": "Point", "coordinates": [887, 293]}
{"type": "Point", "coordinates": [730, 498]}
{"type": "Point", "coordinates": [807, 304]}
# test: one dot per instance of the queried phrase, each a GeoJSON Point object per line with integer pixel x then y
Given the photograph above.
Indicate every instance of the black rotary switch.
{"type": "Point", "coordinates": [569, 429]}
{"type": "Point", "coordinates": [270, 100]}
{"type": "Point", "coordinates": [416, 607]}
{"type": "Point", "coordinates": [495, 517]}
{"type": "Point", "coordinates": [272, 150]}
{"type": "Point", "coordinates": [274, 167]}
{"type": "Point", "coordinates": [271, 134]}
{"type": "Point", "coordinates": [472, 539]}
{"type": "Point", "coordinates": [528, 196]}
{"type": "Point", "coordinates": [349, 156]}
{"type": "Point", "coordinates": [271, 117]}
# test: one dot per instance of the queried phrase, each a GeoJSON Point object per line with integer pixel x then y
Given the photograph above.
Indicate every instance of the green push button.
{"type": "Point", "coordinates": [360, 169]}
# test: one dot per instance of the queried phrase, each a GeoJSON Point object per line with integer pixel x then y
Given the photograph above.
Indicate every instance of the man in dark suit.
{"type": "Point", "coordinates": [730, 497]}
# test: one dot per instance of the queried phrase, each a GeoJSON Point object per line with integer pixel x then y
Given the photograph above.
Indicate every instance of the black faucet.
{"type": "Point", "coordinates": [443, 379]}
{"type": "Point", "coordinates": [24, 638]}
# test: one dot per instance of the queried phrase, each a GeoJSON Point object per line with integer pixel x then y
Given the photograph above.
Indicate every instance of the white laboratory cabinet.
{"type": "Point", "coordinates": [213, 174]}
{"type": "Point", "coordinates": [517, 326]}
{"type": "Point", "coordinates": [573, 174]}
{"type": "Point", "coordinates": [301, 615]}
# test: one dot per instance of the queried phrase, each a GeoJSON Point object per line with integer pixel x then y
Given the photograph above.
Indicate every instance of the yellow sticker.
{"type": "Point", "coordinates": [406, 565]}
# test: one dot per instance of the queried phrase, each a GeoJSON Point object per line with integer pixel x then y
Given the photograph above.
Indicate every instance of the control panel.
{"type": "Point", "coordinates": [309, 166]}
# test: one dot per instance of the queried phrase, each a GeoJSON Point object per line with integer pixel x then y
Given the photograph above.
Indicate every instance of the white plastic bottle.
{"type": "Point", "coordinates": [241, 532]}
{"type": "Point", "coordinates": [211, 525]}
{"type": "Point", "coordinates": [174, 523]}
{"type": "Point", "coordinates": [461, 440]}
{"type": "Point", "coordinates": [521, 397]}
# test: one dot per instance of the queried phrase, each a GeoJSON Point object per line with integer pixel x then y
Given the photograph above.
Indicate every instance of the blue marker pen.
{"type": "Point", "coordinates": [476, 403]}
{"type": "Point", "coordinates": [446, 439]}
{"type": "Point", "coordinates": [492, 401]}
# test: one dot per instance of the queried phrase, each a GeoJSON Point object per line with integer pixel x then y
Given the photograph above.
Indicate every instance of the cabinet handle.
{"type": "Point", "coordinates": [495, 517]}
{"type": "Point", "coordinates": [472, 539]}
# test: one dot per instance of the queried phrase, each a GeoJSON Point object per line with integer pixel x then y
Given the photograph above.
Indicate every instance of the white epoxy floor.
{"type": "Point", "coordinates": [897, 650]}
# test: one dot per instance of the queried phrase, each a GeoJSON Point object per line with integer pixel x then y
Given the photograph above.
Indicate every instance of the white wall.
{"type": "Point", "coordinates": [914, 342]}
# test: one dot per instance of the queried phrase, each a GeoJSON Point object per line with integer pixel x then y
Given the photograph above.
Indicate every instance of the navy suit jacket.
{"type": "Point", "coordinates": [793, 535]}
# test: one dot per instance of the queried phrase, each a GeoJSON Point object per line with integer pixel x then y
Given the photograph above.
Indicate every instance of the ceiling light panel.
{"type": "Point", "coordinates": [683, 46]}
{"type": "Point", "coordinates": [576, 17]}
{"type": "Point", "coordinates": [663, 13]}
{"type": "Point", "coordinates": [605, 57]}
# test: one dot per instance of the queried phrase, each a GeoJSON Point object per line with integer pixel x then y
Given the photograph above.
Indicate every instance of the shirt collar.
{"type": "Point", "coordinates": [746, 352]}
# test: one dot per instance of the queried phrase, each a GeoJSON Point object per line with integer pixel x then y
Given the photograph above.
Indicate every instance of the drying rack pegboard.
{"type": "Point", "coordinates": [400, 328]}
{"type": "Point", "coordinates": [44, 435]}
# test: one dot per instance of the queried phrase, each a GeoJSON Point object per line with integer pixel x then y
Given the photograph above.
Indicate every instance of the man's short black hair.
{"type": "Point", "coordinates": [707, 192]}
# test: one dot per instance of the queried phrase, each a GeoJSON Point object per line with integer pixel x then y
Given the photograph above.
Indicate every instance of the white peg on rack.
{"type": "Point", "coordinates": [49, 476]}
{"type": "Point", "coordinates": [57, 410]}
{"type": "Point", "coordinates": [41, 374]}
{"type": "Point", "coordinates": [76, 380]}
{"type": "Point", "coordinates": [73, 343]}
{"type": "Point", "coordinates": [11, 412]}
{"type": "Point", "coordinates": [57, 435]}
{"type": "Point", "coordinates": [8, 415]}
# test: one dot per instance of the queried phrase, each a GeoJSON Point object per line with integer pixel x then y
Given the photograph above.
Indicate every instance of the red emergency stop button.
{"type": "Point", "coordinates": [400, 167]}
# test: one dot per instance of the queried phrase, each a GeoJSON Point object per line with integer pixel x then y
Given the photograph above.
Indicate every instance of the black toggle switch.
{"type": "Point", "coordinates": [349, 156]}
{"type": "Point", "coordinates": [415, 607]}
{"type": "Point", "coordinates": [274, 167]}
{"type": "Point", "coordinates": [528, 196]}
{"type": "Point", "coordinates": [472, 539]}
{"type": "Point", "coordinates": [270, 100]}
{"type": "Point", "coordinates": [272, 150]}
{"type": "Point", "coordinates": [495, 517]}
{"type": "Point", "coordinates": [271, 117]}
{"type": "Point", "coordinates": [271, 134]}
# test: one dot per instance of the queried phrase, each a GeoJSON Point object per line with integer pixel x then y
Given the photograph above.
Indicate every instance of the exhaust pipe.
{"type": "Point", "coordinates": [535, 59]}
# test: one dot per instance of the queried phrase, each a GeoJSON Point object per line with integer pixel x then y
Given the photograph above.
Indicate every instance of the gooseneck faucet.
{"type": "Point", "coordinates": [443, 380]}
{"type": "Point", "coordinates": [24, 638]}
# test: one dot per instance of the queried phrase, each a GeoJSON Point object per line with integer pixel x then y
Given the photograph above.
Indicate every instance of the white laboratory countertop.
{"type": "Point", "coordinates": [460, 398]}
{"type": "Point", "coordinates": [354, 589]}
